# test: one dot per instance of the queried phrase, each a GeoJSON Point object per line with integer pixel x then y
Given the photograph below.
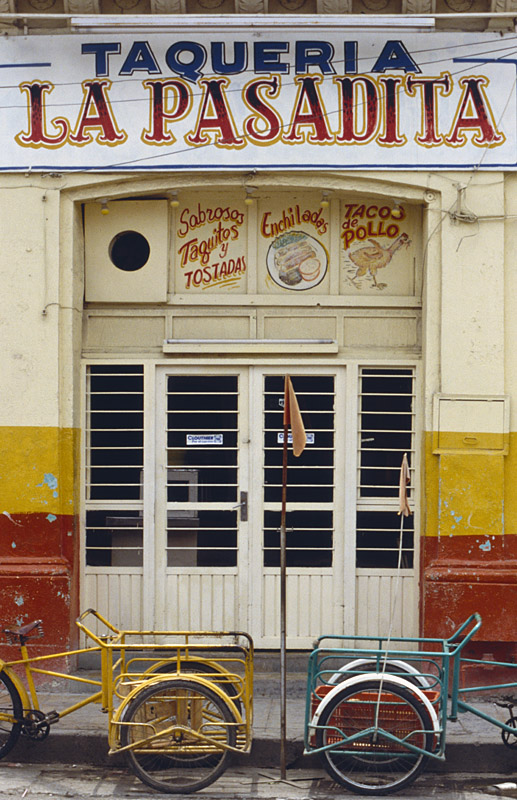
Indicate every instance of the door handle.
{"type": "Point", "coordinates": [243, 505]}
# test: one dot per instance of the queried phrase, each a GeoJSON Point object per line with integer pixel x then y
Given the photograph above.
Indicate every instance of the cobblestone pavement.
{"type": "Point", "coordinates": [80, 782]}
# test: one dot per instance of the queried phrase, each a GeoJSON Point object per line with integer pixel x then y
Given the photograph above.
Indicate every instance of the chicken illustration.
{"type": "Point", "coordinates": [374, 257]}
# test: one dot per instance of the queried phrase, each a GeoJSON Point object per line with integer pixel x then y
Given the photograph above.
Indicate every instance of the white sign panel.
{"type": "Point", "coordinates": [314, 97]}
{"type": "Point", "coordinates": [204, 438]}
{"type": "Point", "coordinates": [280, 438]}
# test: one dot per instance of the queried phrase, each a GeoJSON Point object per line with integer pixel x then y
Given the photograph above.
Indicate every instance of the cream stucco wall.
{"type": "Point", "coordinates": [463, 278]}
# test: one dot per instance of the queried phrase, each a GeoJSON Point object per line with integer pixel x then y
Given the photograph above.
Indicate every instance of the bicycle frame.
{"type": "Point", "coordinates": [443, 660]}
{"type": "Point", "coordinates": [166, 693]}
{"type": "Point", "coordinates": [28, 693]}
{"type": "Point", "coordinates": [118, 672]}
{"type": "Point", "coordinates": [124, 652]}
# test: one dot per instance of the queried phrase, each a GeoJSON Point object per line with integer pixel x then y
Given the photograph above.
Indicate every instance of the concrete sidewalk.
{"type": "Point", "coordinates": [82, 737]}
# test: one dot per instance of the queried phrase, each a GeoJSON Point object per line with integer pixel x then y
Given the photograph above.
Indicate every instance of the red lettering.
{"type": "Point", "coordinates": [309, 111]}
{"type": "Point", "coordinates": [37, 136]}
{"type": "Point", "coordinates": [96, 114]}
{"type": "Point", "coordinates": [358, 99]}
{"type": "Point", "coordinates": [391, 113]}
{"type": "Point", "coordinates": [473, 114]}
{"type": "Point", "coordinates": [429, 89]}
{"type": "Point", "coordinates": [254, 126]}
{"type": "Point", "coordinates": [215, 116]}
{"type": "Point", "coordinates": [160, 115]}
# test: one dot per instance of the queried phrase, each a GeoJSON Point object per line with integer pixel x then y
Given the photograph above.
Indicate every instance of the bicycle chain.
{"type": "Point", "coordinates": [35, 725]}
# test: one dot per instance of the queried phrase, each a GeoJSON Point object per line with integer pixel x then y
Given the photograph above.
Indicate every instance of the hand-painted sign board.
{"type": "Point", "coordinates": [374, 243]}
{"type": "Point", "coordinates": [324, 97]}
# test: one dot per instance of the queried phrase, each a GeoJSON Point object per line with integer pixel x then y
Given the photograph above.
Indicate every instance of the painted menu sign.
{"type": "Point", "coordinates": [293, 242]}
{"type": "Point", "coordinates": [210, 244]}
{"type": "Point", "coordinates": [377, 247]}
{"type": "Point", "coordinates": [374, 244]}
{"type": "Point", "coordinates": [279, 98]}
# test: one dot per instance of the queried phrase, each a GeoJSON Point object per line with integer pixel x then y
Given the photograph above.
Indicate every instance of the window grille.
{"type": "Point", "coordinates": [202, 469]}
{"type": "Point", "coordinates": [386, 431]}
{"type": "Point", "coordinates": [310, 477]}
{"type": "Point", "coordinates": [114, 465]}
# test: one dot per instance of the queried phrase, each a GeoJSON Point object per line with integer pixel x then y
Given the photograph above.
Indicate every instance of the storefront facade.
{"type": "Point", "coordinates": [205, 212]}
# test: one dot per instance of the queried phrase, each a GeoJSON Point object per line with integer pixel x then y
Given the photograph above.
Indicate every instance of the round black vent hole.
{"type": "Point", "coordinates": [129, 251]}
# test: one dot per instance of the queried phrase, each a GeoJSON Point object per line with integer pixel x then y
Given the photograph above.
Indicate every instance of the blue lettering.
{"type": "Point", "coordinates": [267, 56]}
{"type": "Point", "coordinates": [351, 58]}
{"type": "Point", "coordinates": [140, 58]}
{"type": "Point", "coordinates": [101, 51]}
{"type": "Point", "coordinates": [395, 56]}
{"type": "Point", "coordinates": [191, 70]}
{"type": "Point", "coordinates": [240, 58]}
{"type": "Point", "coordinates": [314, 54]}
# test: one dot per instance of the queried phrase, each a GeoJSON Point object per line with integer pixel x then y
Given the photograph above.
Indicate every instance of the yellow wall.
{"type": "Point", "coordinates": [38, 469]}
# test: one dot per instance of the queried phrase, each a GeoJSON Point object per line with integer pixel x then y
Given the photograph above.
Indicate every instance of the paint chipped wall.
{"type": "Point", "coordinates": [469, 544]}
{"type": "Point", "coordinates": [469, 507]}
{"type": "Point", "coordinates": [38, 440]}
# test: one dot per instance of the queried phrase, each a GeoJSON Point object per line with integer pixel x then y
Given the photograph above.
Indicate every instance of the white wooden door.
{"type": "Point", "coordinates": [201, 527]}
{"type": "Point", "coordinates": [318, 597]}
{"type": "Point", "coordinates": [183, 498]}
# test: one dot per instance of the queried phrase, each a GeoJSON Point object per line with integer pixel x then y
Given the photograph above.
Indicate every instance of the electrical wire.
{"type": "Point", "coordinates": [115, 82]}
{"type": "Point", "coordinates": [284, 127]}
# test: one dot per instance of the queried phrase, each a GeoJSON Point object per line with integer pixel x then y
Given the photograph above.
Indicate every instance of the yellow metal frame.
{"type": "Point", "coordinates": [124, 657]}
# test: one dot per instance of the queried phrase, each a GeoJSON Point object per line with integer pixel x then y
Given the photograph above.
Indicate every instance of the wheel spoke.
{"type": "Point", "coordinates": [192, 727]}
{"type": "Point", "coordinates": [378, 759]}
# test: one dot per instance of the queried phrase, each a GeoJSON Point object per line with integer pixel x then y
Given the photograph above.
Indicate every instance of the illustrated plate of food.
{"type": "Point", "coordinates": [297, 261]}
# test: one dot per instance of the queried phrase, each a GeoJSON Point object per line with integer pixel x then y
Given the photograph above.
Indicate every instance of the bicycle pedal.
{"type": "Point", "coordinates": [51, 717]}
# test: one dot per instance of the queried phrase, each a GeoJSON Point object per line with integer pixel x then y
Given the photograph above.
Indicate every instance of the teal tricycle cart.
{"type": "Point", "coordinates": [377, 708]}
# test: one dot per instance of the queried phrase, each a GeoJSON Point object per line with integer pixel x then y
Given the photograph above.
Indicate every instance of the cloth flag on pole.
{"type": "Point", "coordinates": [403, 484]}
{"type": "Point", "coordinates": [293, 418]}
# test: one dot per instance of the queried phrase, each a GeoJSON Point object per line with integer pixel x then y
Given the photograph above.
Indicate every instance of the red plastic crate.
{"type": "Point", "coordinates": [355, 715]}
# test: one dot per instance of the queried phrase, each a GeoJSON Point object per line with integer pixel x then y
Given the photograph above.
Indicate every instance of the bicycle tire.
{"type": "Point", "coordinates": [192, 666]}
{"type": "Point", "coordinates": [392, 667]}
{"type": "Point", "coordinates": [11, 714]}
{"type": "Point", "coordinates": [177, 763]}
{"type": "Point", "coordinates": [510, 739]}
{"type": "Point", "coordinates": [375, 766]}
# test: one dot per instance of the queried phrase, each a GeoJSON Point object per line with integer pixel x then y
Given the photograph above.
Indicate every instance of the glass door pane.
{"type": "Point", "coordinates": [202, 471]}
{"type": "Point", "coordinates": [310, 477]}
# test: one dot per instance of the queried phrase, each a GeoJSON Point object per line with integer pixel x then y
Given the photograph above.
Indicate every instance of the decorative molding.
{"type": "Point", "coordinates": [168, 7]}
{"type": "Point", "coordinates": [40, 6]}
{"type": "Point", "coordinates": [7, 7]}
{"type": "Point", "coordinates": [503, 5]}
{"type": "Point", "coordinates": [334, 6]}
{"type": "Point", "coordinates": [251, 6]}
{"type": "Point", "coordinates": [82, 7]}
{"type": "Point", "coordinates": [418, 6]}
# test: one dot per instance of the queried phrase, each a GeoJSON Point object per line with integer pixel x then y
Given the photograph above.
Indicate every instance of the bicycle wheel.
{"type": "Point", "coordinates": [11, 713]}
{"type": "Point", "coordinates": [510, 739]}
{"type": "Point", "coordinates": [374, 764]}
{"type": "Point", "coordinates": [392, 667]}
{"type": "Point", "coordinates": [176, 726]}
{"type": "Point", "coordinates": [191, 666]}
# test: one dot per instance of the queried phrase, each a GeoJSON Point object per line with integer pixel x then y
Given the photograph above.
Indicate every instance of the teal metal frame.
{"type": "Point", "coordinates": [437, 661]}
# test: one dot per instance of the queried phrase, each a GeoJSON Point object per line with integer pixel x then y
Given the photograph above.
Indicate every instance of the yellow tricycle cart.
{"type": "Point", "coordinates": [178, 702]}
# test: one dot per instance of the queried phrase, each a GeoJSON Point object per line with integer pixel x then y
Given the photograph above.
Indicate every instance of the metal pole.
{"type": "Point", "coordinates": [283, 648]}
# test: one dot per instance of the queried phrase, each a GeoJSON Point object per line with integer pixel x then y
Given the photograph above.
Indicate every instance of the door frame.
{"type": "Point", "coordinates": [161, 570]}
{"type": "Point", "coordinates": [342, 571]}
{"type": "Point", "coordinates": [152, 600]}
